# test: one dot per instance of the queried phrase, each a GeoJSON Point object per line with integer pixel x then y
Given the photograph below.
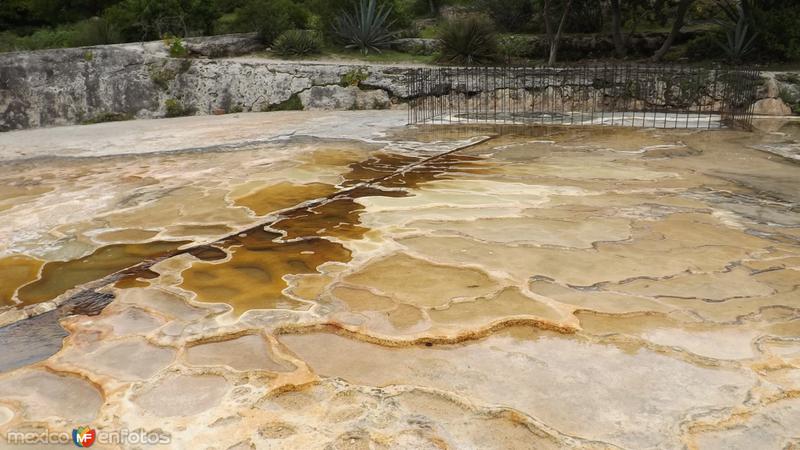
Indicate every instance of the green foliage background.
{"type": "Point", "coordinates": [38, 24]}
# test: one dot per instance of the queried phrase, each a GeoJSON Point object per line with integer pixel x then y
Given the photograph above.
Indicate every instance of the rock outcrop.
{"type": "Point", "coordinates": [344, 98]}
{"type": "Point", "coordinates": [91, 84]}
{"type": "Point", "coordinates": [228, 45]}
{"type": "Point", "coordinates": [126, 81]}
{"type": "Point", "coordinates": [779, 95]}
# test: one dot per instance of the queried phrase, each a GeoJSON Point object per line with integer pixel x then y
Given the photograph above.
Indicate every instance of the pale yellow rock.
{"type": "Point", "coordinates": [548, 288]}
{"type": "Point", "coordinates": [771, 107]}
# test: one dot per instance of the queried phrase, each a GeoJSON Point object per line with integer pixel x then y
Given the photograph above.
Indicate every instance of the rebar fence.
{"type": "Point", "coordinates": [620, 95]}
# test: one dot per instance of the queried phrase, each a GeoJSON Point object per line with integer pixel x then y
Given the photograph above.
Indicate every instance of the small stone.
{"type": "Point", "coordinates": [226, 45]}
{"type": "Point", "coordinates": [373, 99]}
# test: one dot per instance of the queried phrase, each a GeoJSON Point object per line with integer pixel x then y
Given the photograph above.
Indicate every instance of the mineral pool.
{"type": "Point", "coordinates": [262, 282]}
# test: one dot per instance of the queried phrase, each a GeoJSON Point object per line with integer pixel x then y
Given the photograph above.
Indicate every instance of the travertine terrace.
{"type": "Point", "coordinates": [430, 287]}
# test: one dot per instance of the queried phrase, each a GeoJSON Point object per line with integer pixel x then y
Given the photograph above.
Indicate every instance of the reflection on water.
{"type": "Point", "coordinates": [58, 277]}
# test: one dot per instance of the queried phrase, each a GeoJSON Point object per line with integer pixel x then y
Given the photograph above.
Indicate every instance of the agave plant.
{"type": "Point", "coordinates": [297, 43]}
{"type": "Point", "coordinates": [739, 41]}
{"type": "Point", "coordinates": [470, 40]}
{"type": "Point", "coordinates": [366, 28]}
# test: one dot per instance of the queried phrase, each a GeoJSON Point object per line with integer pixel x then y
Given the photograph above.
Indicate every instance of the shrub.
{"type": "Point", "coordinates": [510, 15]}
{"type": "Point", "coordinates": [227, 23]}
{"type": "Point", "coordinates": [791, 97]}
{"type": "Point", "coordinates": [270, 18]}
{"type": "Point", "coordinates": [108, 117]}
{"type": "Point", "coordinates": [512, 47]}
{"type": "Point", "coordinates": [175, 46]}
{"type": "Point", "coordinates": [366, 28]}
{"type": "Point", "coordinates": [297, 43]}
{"type": "Point", "coordinates": [151, 19]}
{"type": "Point", "coordinates": [791, 78]}
{"type": "Point", "coordinates": [174, 108]}
{"type": "Point", "coordinates": [705, 46]}
{"type": "Point", "coordinates": [469, 40]}
{"type": "Point", "coordinates": [354, 77]}
{"type": "Point", "coordinates": [94, 31]}
{"type": "Point", "coordinates": [776, 23]}
{"type": "Point", "coordinates": [162, 77]}
{"type": "Point", "coordinates": [585, 16]}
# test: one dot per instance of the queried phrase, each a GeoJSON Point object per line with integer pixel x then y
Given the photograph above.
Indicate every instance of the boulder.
{"type": "Point", "coordinates": [225, 45]}
{"type": "Point", "coordinates": [373, 99]}
{"type": "Point", "coordinates": [771, 107]}
{"type": "Point", "coordinates": [335, 97]}
{"type": "Point", "coordinates": [326, 98]}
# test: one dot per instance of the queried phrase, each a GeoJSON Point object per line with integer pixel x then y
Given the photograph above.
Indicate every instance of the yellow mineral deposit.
{"type": "Point", "coordinates": [16, 271]}
{"type": "Point", "coordinates": [553, 288]}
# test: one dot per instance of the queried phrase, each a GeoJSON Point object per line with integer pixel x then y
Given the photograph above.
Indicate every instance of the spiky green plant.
{"type": "Point", "coordinates": [739, 40]}
{"type": "Point", "coordinates": [297, 43]}
{"type": "Point", "coordinates": [366, 28]}
{"type": "Point", "coordinates": [470, 40]}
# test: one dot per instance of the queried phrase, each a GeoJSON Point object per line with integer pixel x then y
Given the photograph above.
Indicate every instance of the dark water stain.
{"type": "Point", "coordinates": [208, 253]}
{"type": "Point", "coordinates": [377, 167]}
{"type": "Point", "coordinates": [136, 279]}
{"type": "Point", "coordinates": [40, 337]}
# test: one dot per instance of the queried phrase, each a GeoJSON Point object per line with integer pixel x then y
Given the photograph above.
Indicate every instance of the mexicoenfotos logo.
{"type": "Point", "coordinates": [84, 436]}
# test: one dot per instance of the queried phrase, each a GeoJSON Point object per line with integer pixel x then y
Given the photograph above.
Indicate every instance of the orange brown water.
{"type": "Point", "coordinates": [60, 276]}
{"type": "Point", "coordinates": [254, 276]}
{"type": "Point", "coordinates": [16, 271]}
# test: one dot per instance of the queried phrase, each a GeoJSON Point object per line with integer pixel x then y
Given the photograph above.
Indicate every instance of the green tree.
{"type": "Point", "coordinates": [677, 25]}
{"type": "Point", "coordinates": [152, 19]}
{"type": "Point", "coordinates": [777, 23]}
{"type": "Point", "coordinates": [270, 18]}
{"type": "Point", "coordinates": [554, 35]}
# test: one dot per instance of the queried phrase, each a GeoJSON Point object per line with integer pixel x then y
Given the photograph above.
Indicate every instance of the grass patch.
{"type": "Point", "coordinates": [384, 57]}
{"type": "Point", "coordinates": [338, 54]}
{"type": "Point", "coordinates": [108, 117]}
{"type": "Point", "coordinates": [354, 77]}
{"type": "Point", "coordinates": [174, 108]}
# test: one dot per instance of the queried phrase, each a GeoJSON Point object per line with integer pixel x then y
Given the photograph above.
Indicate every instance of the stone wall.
{"type": "Point", "coordinates": [92, 84]}
{"type": "Point", "coordinates": [78, 85]}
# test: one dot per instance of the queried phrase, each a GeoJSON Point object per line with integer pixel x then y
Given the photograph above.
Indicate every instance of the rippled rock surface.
{"type": "Point", "coordinates": [430, 287]}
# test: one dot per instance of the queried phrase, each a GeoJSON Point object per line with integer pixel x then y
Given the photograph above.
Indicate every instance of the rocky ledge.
{"type": "Point", "coordinates": [135, 81]}
{"type": "Point", "coordinates": [127, 81]}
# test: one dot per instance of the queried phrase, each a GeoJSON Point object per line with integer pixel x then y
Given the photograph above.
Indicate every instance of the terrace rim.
{"type": "Point", "coordinates": [648, 96]}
